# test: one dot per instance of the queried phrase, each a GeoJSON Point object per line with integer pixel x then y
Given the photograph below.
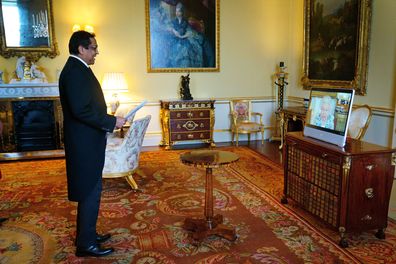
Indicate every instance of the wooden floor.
{"type": "Point", "coordinates": [270, 149]}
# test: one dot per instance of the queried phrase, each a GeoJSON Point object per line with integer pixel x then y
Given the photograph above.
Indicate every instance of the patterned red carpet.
{"type": "Point", "coordinates": [146, 226]}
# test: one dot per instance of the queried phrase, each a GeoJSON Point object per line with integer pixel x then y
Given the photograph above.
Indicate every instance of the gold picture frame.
{"type": "Point", "coordinates": [31, 45]}
{"type": "Point", "coordinates": [182, 35]}
{"type": "Point", "coordinates": [336, 44]}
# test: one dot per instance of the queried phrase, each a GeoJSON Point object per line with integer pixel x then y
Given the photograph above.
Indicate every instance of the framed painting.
{"type": "Point", "coordinates": [182, 35]}
{"type": "Point", "coordinates": [336, 44]}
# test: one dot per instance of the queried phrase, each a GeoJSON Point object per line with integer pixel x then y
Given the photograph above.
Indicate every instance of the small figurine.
{"type": "Point", "coordinates": [20, 66]}
{"type": "Point", "coordinates": [26, 71]}
{"type": "Point", "coordinates": [185, 88]}
{"type": "Point", "coordinates": [37, 73]}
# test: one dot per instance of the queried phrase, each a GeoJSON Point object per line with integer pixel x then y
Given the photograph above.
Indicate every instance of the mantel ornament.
{"type": "Point", "coordinates": [28, 72]}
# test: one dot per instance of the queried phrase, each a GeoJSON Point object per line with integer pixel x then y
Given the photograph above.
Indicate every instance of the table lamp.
{"type": "Point", "coordinates": [114, 82]}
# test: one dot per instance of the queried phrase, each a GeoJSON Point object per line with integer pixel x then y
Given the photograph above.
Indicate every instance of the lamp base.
{"type": "Point", "coordinates": [114, 104]}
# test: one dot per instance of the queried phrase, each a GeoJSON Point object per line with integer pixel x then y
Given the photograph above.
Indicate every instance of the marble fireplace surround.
{"type": "Point", "coordinates": [28, 91]}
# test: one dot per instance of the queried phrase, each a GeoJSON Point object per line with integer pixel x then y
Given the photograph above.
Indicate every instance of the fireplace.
{"type": "Point", "coordinates": [30, 121]}
{"type": "Point", "coordinates": [34, 125]}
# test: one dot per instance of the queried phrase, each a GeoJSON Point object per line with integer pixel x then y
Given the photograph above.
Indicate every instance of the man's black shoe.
{"type": "Point", "coordinates": [93, 251]}
{"type": "Point", "coordinates": [102, 238]}
{"type": "Point", "coordinates": [99, 238]}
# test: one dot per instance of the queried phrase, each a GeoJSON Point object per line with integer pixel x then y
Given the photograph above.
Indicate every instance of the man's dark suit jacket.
{"type": "Point", "coordinates": [85, 125]}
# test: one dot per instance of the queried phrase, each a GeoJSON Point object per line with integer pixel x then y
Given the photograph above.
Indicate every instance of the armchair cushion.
{"type": "Point", "coordinates": [249, 126]}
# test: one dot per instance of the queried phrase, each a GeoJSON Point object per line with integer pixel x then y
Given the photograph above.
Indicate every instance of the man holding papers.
{"type": "Point", "coordinates": [85, 124]}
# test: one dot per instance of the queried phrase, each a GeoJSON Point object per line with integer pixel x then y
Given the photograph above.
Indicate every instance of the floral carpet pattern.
{"type": "Point", "coordinates": [147, 226]}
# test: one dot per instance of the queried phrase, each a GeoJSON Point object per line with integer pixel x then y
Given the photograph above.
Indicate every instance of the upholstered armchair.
{"type": "Point", "coordinates": [244, 121]}
{"type": "Point", "coordinates": [122, 154]}
{"type": "Point", "coordinates": [359, 121]}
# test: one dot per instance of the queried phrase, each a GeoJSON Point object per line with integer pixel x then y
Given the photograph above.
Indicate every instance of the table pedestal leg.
{"type": "Point", "coordinates": [211, 225]}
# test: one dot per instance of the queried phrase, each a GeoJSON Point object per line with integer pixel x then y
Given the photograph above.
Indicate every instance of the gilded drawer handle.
{"type": "Point", "coordinates": [190, 125]}
{"type": "Point", "coordinates": [369, 192]}
{"type": "Point", "coordinates": [201, 135]}
{"type": "Point", "coordinates": [189, 114]}
{"type": "Point", "coordinates": [190, 136]}
{"type": "Point", "coordinates": [202, 125]}
{"type": "Point", "coordinates": [370, 167]}
{"type": "Point", "coordinates": [178, 126]}
{"type": "Point", "coordinates": [324, 155]}
{"type": "Point", "coordinates": [366, 218]}
{"type": "Point", "coordinates": [178, 115]}
{"type": "Point", "coordinates": [178, 137]}
{"type": "Point", "coordinates": [201, 114]}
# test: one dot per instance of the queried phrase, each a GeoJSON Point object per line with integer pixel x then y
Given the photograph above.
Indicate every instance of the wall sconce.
{"type": "Point", "coordinates": [114, 82]}
{"type": "Point", "coordinates": [88, 28]}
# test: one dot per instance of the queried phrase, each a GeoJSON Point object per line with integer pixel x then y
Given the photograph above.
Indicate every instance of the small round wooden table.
{"type": "Point", "coordinates": [210, 225]}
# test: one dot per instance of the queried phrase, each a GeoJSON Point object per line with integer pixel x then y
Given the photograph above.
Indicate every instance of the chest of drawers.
{"type": "Point", "coordinates": [187, 121]}
{"type": "Point", "coordinates": [348, 188]}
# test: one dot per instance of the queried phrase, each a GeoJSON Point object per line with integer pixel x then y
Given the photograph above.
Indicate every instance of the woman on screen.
{"type": "Point", "coordinates": [325, 117]}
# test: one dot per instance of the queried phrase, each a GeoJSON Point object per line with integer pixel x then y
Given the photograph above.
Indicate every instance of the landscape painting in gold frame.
{"type": "Point", "coordinates": [182, 35]}
{"type": "Point", "coordinates": [336, 44]}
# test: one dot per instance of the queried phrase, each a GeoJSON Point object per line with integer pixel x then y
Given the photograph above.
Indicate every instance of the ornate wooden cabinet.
{"type": "Point", "coordinates": [348, 188]}
{"type": "Point", "coordinates": [186, 121]}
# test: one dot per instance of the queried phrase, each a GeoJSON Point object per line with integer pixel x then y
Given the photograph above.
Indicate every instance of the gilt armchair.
{"type": "Point", "coordinates": [359, 121]}
{"type": "Point", "coordinates": [122, 154]}
{"type": "Point", "coordinates": [244, 121]}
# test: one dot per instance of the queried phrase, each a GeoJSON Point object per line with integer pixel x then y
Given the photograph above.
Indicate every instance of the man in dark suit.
{"type": "Point", "coordinates": [85, 124]}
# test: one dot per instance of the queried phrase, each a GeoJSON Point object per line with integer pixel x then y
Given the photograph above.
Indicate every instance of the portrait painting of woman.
{"type": "Point", "coordinates": [182, 34]}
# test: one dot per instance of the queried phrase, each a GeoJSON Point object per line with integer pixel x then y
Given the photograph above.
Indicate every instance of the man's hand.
{"type": "Point", "coordinates": [120, 121]}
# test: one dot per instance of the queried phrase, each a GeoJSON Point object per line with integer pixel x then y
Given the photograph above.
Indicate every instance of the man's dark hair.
{"type": "Point", "coordinates": [79, 38]}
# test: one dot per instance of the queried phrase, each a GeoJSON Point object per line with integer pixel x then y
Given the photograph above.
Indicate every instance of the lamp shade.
{"type": "Point", "coordinates": [114, 81]}
{"type": "Point", "coordinates": [76, 27]}
{"type": "Point", "coordinates": [88, 28]}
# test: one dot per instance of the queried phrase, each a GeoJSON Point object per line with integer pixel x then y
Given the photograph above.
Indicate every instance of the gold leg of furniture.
{"type": "Point", "coordinates": [262, 136]}
{"type": "Point", "coordinates": [282, 130]}
{"type": "Point", "coordinates": [132, 182]}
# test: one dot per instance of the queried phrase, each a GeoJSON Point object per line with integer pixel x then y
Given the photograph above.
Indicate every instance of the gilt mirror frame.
{"type": "Point", "coordinates": [165, 54]}
{"type": "Point", "coordinates": [33, 53]}
{"type": "Point", "coordinates": [336, 44]}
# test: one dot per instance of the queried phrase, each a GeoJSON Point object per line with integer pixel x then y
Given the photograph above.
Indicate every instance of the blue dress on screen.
{"type": "Point", "coordinates": [328, 124]}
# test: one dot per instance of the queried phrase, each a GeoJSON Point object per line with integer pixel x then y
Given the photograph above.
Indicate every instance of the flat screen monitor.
{"type": "Point", "coordinates": [328, 114]}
